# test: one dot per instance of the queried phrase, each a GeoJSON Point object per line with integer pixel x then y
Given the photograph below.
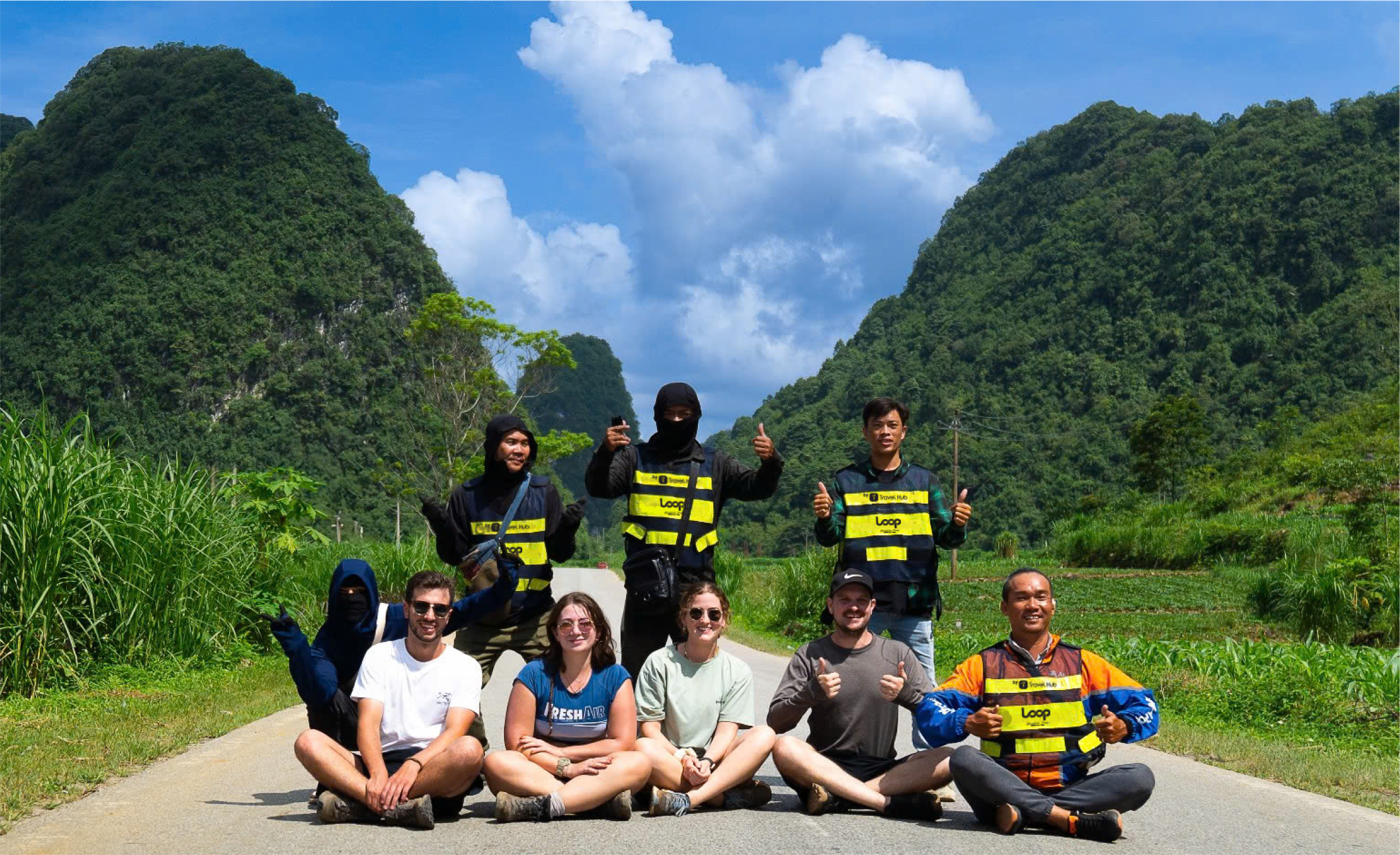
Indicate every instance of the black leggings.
{"type": "Point", "coordinates": [339, 719]}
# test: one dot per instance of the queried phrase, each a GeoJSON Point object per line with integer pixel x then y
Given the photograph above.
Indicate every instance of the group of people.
{"type": "Point", "coordinates": [395, 729]}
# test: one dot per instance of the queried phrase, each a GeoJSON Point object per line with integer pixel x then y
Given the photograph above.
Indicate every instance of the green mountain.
{"type": "Point", "coordinates": [196, 256]}
{"type": "Point", "coordinates": [1120, 257]}
{"type": "Point", "coordinates": [10, 126]}
{"type": "Point", "coordinates": [584, 400]}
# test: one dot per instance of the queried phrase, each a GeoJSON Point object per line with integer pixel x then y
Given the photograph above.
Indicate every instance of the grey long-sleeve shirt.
{"type": "Point", "coordinates": [858, 720]}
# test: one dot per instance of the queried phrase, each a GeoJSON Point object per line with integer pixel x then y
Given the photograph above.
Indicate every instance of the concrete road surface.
{"type": "Point", "coordinates": [246, 793]}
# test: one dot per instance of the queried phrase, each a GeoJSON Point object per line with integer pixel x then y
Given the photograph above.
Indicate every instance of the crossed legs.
{"type": "Point", "coordinates": [450, 773]}
{"type": "Point", "coordinates": [750, 749]}
{"type": "Point", "coordinates": [514, 773]}
{"type": "Point", "coordinates": [801, 764]}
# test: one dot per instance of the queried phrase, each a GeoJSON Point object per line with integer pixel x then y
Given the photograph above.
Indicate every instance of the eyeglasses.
{"type": "Point", "coordinates": [420, 607]}
{"type": "Point", "coordinates": [715, 614]}
{"type": "Point", "coordinates": [584, 625]}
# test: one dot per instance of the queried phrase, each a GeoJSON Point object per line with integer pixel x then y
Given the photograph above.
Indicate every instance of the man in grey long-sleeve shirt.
{"type": "Point", "coordinates": [853, 682]}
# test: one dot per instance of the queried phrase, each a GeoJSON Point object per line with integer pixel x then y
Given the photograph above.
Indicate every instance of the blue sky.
{"type": "Point", "coordinates": [720, 190]}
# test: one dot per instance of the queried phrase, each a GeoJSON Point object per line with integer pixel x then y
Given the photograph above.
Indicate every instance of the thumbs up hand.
{"type": "Point", "coordinates": [828, 680]}
{"type": "Point", "coordinates": [821, 503]}
{"type": "Point", "coordinates": [892, 684]}
{"type": "Point", "coordinates": [985, 723]}
{"type": "Point", "coordinates": [962, 510]}
{"type": "Point", "coordinates": [762, 445]}
{"type": "Point", "coordinates": [1110, 728]}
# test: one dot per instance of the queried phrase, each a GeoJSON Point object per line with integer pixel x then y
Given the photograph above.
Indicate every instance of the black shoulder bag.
{"type": "Point", "coordinates": [650, 573]}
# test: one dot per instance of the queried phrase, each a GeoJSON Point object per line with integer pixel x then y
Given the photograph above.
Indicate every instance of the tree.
{"type": "Point", "coordinates": [1168, 443]}
{"type": "Point", "coordinates": [471, 367]}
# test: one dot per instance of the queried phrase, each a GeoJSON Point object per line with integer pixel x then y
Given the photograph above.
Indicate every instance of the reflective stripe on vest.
{"type": "Point", "coordinates": [524, 540]}
{"type": "Point", "coordinates": [888, 532]}
{"type": "Point", "coordinates": [657, 497]}
{"type": "Point", "coordinates": [1043, 721]}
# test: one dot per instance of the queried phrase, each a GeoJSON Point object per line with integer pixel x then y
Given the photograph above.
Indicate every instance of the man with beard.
{"type": "Point", "coordinates": [854, 681]}
{"type": "Point", "coordinates": [416, 698]}
{"type": "Point", "coordinates": [541, 531]}
{"type": "Point", "coordinates": [656, 478]}
{"type": "Point", "coordinates": [1031, 700]}
{"type": "Point", "coordinates": [324, 670]}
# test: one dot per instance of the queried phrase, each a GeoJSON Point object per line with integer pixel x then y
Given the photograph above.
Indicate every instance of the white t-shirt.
{"type": "Point", "coordinates": [416, 695]}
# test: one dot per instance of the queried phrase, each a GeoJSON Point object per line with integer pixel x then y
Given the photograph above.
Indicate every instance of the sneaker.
{"type": "Point", "coordinates": [945, 793]}
{"type": "Point", "coordinates": [314, 803]}
{"type": "Point", "coordinates": [925, 806]}
{"type": "Point", "coordinates": [820, 801]}
{"type": "Point", "coordinates": [519, 808]}
{"type": "Point", "coordinates": [668, 803]}
{"type": "Point", "coordinates": [754, 794]}
{"type": "Point", "coordinates": [412, 813]}
{"type": "Point", "coordinates": [619, 806]}
{"type": "Point", "coordinates": [1105, 826]}
{"type": "Point", "coordinates": [1009, 819]}
{"type": "Point", "coordinates": [333, 807]}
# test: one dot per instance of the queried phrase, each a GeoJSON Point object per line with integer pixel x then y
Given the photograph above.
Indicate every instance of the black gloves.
{"type": "Point", "coordinates": [436, 515]}
{"type": "Point", "coordinates": [573, 514]}
{"type": "Point", "coordinates": [282, 622]}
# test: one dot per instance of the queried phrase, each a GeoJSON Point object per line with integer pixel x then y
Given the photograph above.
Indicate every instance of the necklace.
{"type": "Point", "coordinates": [685, 651]}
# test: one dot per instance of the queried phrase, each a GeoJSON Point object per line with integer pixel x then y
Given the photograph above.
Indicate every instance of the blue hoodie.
{"type": "Point", "coordinates": [331, 662]}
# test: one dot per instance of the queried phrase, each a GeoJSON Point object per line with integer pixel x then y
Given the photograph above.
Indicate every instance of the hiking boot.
{"type": "Point", "coordinates": [314, 803]}
{"type": "Point", "coordinates": [1009, 819]}
{"type": "Point", "coordinates": [754, 794]}
{"type": "Point", "coordinates": [619, 806]}
{"type": "Point", "coordinates": [520, 808]}
{"type": "Point", "coordinates": [334, 807]}
{"type": "Point", "coordinates": [1105, 826]}
{"type": "Point", "coordinates": [668, 803]}
{"type": "Point", "coordinates": [412, 813]}
{"type": "Point", "coordinates": [820, 801]}
{"type": "Point", "coordinates": [925, 806]}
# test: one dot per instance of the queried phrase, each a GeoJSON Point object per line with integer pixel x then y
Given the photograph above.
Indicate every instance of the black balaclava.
{"type": "Point", "coordinates": [496, 430]}
{"type": "Point", "coordinates": [675, 437]}
{"type": "Point", "coordinates": [354, 607]}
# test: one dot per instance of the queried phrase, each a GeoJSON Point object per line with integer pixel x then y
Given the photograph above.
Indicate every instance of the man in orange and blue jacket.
{"type": "Point", "coordinates": [1031, 700]}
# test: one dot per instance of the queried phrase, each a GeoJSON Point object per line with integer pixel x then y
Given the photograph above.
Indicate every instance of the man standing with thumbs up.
{"type": "Point", "coordinates": [675, 491]}
{"type": "Point", "coordinates": [1031, 701]}
{"type": "Point", "coordinates": [854, 682]}
{"type": "Point", "coordinates": [889, 517]}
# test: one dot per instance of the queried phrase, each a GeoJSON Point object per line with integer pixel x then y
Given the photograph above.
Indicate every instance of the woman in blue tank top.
{"type": "Point", "coordinates": [571, 726]}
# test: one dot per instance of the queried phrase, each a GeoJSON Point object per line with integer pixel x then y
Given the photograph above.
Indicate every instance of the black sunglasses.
{"type": "Point", "coordinates": [715, 614]}
{"type": "Point", "coordinates": [420, 607]}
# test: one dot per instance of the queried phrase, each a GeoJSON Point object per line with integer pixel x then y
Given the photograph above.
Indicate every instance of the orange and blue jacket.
{"type": "Point", "coordinates": [943, 713]}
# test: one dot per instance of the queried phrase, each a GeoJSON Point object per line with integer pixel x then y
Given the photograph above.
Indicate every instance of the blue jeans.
{"type": "Point", "coordinates": [917, 632]}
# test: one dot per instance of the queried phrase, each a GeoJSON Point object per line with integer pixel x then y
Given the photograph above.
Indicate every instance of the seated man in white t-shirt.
{"type": "Point", "coordinates": [416, 697]}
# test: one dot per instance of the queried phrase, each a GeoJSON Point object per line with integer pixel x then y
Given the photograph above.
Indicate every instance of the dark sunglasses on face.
{"type": "Point", "coordinates": [420, 607]}
{"type": "Point", "coordinates": [715, 614]}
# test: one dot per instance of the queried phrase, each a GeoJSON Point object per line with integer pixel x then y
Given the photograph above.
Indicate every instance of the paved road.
{"type": "Point", "coordinates": [245, 792]}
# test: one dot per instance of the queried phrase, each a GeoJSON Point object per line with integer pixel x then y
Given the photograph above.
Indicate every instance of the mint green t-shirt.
{"type": "Point", "coordinates": [690, 699]}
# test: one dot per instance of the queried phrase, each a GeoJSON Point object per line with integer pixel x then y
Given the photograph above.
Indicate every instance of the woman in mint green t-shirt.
{"type": "Point", "coordinates": [692, 699]}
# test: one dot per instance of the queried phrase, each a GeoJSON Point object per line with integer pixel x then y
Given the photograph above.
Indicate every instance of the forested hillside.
{"type": "Point", "coordinates": [10, 126]}
{"type": "Point", "coordinates": [584, 400]}
{"type": "Point", "coordinates": [1250, 263]}
{"type": "Point", "coordinates": [196, 256]}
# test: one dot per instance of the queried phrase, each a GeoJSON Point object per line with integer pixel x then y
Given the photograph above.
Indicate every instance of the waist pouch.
{"type": "Point", "coordinates": [650, 577]}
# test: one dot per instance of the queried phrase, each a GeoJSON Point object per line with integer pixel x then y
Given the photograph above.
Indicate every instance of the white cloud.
{"type": "Point", "coordinates": [761, 213]}
{"type": "Point", "coordinates": [494, 255]}
{"type": "Point", "coordinates": [767, 220]}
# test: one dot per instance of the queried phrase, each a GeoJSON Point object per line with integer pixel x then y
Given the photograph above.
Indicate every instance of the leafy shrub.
{"type": "Point", "coordinates": [1006, 545]}
{"type": "Point", "coordinates": [1343, 600]}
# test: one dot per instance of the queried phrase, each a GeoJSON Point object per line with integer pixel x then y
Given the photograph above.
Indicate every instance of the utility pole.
{"type": "Point", "coordinates": [957, 426]}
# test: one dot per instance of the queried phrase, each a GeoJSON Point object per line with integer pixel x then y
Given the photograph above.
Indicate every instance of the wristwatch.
{"type": "Point", "coordinates": [563, 764]}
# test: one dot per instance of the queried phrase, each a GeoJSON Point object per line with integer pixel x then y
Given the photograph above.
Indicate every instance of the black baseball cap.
{"type": "Point", "coordinates": [852, 577]}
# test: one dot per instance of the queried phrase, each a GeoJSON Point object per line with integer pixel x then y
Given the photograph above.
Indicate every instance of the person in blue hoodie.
{"type": "Point", "coordinates": [324, 670]}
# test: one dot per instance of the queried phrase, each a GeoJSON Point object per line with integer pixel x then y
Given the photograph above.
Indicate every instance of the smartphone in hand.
{"type": "Point", "coordinates": [618, 421]}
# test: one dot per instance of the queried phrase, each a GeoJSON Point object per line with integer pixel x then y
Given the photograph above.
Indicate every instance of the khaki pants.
{"type": "Point", "coordinates": [485, 644]}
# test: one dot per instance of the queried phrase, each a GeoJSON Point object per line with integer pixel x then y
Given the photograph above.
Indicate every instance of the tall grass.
{"type": "Point", "coordinates": [110, 559]}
